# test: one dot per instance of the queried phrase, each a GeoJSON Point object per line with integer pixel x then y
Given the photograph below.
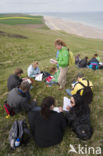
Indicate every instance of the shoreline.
{"type": "Point", "coordinates": [73, 27]}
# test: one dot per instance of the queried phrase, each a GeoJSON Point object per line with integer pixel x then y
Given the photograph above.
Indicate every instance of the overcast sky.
{"type": "Point", "coordinates": [50, 5]}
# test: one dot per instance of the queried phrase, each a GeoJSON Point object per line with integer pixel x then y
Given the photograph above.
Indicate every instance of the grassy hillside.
{"type": "Point", "coordinates": [38, 44]}
{"type": "Point", "coordinates": [14, 19]}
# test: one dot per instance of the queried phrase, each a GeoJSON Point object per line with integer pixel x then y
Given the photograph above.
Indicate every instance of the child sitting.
{"type": "Point", "coordinates": [53, 79]}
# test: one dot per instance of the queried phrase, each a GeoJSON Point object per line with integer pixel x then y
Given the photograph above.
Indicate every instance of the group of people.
{"type": "Point", "coordinates": [48, 126]}
{"type": "Point", "coordinates": [94, 63]}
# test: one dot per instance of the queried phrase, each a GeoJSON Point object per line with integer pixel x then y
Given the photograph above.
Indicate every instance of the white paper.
{"type": "Point", "coordinates": [39, 77]}
{"type": "Point", "coordinates": [28, 80]}
{"type": "Point", "coordinates": [56, 109]}
{"type": "Point", "coordinates": [66, 102]}
{"type": "Point", "coordinates": [53, 61]}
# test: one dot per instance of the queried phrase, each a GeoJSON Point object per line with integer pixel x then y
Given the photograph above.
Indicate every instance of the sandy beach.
{"type": "Point", "coordinates": [72, 27]}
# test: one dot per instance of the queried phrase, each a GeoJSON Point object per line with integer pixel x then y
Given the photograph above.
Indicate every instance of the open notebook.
{"type": "Point", "coordinates": [66, 102]}
{"type": "Point", "coordinates": [53, 61]}
{"type": "Point", "coordinates": [39, 77]}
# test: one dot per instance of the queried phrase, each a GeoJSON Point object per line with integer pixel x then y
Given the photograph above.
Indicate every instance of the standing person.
{"type": "Point", "coordinates": [63, 61]}
{"type": "Point", "coordinates": [15, 80]}
{"type": "Point", "coordinates": [57, 54]}
{"type": "Point", "coordinates": [47, 126]}
{"type": "Point", "coordinates": [33, 70]}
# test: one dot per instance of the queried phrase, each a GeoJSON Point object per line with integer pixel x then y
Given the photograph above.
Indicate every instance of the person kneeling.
{"type": "Point", "coordinates": [47, 126]}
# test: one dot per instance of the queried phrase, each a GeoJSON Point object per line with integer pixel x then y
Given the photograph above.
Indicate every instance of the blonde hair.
{"type": "Point", "coordinates": [36, 62]}
{"type": "Point", "coordinates": [60, 42]}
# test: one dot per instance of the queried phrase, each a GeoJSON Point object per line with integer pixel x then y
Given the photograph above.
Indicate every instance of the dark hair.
{"type": "Point", "coordinates": [81, 107]}
{"type": "Point", "coordinates": [52, 69]}
{"type": "Point", "coordinates": [86, 57]}
{"type": "Point", "coordinates": [80, 75]}
{"type": "Point", "coordinates": [18, 71]}
{"type": "Point", "coordinates": [25, 85]}
{"type": "Point", "coordinates": [45, 106]}
{"type": "Point", "coordinates": [95, 55]}
{"type": "Point", "coordinates": [87, 95]}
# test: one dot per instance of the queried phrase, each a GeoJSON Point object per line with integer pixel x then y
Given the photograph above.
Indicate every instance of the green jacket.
{"type": "Point", "coordinates": [56, 75]}
{"type": "Point", "coordinates": [63, 58]}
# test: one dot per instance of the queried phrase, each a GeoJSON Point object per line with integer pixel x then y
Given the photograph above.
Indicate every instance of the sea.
{"type": "Point", "coordinates": [94, 19]}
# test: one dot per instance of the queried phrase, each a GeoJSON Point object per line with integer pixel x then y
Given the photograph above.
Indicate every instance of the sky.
{"type": "Point", "coordinates": [24, 6]}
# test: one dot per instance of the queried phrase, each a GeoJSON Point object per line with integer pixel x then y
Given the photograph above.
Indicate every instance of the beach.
{"type": "Point", "coordinates": [71, 27]}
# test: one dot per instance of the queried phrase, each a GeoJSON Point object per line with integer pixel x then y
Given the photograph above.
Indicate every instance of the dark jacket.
{"type": "Point", "coordinates": [93, 60]}
{"type": "Point", "coordinates": [47, 132]}
{"type": "Point", "coordinates": [83, 63]}
{"type": "Point", "coordinates": [19, 101]}
{"type": "Point", "coordinates": [80, 123]}
{"type": "Point", "coordinates": [13, 82]}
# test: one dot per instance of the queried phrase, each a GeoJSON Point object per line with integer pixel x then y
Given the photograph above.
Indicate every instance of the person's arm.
{"type": "Point", "coordinates": [64, 60]}
{"type": "Point", "coordinates": [74, 90]}
{"type": "Point", "coordinates": [30, 72]}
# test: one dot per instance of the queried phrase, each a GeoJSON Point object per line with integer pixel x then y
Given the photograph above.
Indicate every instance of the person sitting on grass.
{"type": "Point", "coordinates": [33, 70]}
{"type": "Point", "coordinates": [82, 87]}
{"type": "Point", "coordinates": [97, 57]}
{"type": "Point", "coordinates": [93, 63]}
{"type": "Point", "coordinates": [77, 59]}
{"type": "Point", "coordinates": [47, 126]}
{"type": "Point", "coordinates": [83, 63]}
{"type": "Point", "coordinates": [19, 99]}
{"type": "Point", "coordinates": [78, 117]}
{"type": "Point", "coordinates": [53, 79]}
{"type": "Point", "coordinates": [15, 79]}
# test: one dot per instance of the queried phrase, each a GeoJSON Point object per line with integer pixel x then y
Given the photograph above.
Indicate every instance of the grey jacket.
{"type": "Point", "coordinates": [19, 101]}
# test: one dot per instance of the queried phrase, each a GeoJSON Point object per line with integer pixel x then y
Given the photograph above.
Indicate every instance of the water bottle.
{"type": "Point", "coordinates": [17, 142]}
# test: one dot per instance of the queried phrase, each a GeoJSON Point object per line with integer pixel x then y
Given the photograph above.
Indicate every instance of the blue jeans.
{"type": "Point", "coordinates": [69, 92]}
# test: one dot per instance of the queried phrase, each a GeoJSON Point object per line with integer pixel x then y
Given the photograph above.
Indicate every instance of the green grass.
{"type": "Point", "coordinates": [14, 19]}
{"type": "Point", "coordinates": [39, 45]}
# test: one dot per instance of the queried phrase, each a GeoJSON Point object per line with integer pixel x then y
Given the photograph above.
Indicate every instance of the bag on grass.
{"type": "Point", "coordinates": [18, 129]}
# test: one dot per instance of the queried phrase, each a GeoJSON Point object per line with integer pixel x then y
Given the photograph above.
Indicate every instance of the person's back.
{"type": "Point", "coordinates": [93, 63]}
{"type": "Point", "coordinates": [47, 132]}
{"type": "Point", "coordinates": [18, 101]}
{"type": "Point", "coordinates": [78, 117]}
{"type": "Point", "coordinates": [13, 82]}
{"type": "Point", "coordinates": [83, 63]}
{"type": "Point", "coordinates": [47, 126]}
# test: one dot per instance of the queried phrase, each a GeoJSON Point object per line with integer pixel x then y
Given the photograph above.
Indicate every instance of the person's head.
{"type": "Point", "coordinates": [95, 55]}
{"type": "Point", "coordinates": [35, 64]}
{"type": "Point", "coordinates": [86, 58]}
{"type": "Point", "coordinates": [53, 70]}
{"type": "Point", "coordinates": [25, 86]}
{"type": "Point", "coordinates": [47, 105]}
{"type": "Point", "coordinates": [79, 76]}
{"type": "Point", "coordinates": [59, 44]}
{"type": "Point", "coordinates": [18, 72]}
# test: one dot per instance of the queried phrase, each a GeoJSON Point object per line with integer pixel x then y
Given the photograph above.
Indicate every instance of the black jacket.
{"type": "Point", "coordinates": [47, 132]}
{"type": "Point", "coordinates": [19, 101]}
{"type": "Point", "coordinates": [83, 63]}
{"type": "Point", "coordinates": [13, 82]}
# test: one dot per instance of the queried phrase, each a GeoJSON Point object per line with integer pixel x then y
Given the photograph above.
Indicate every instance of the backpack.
{"type": "Point", "coordinates": [17, 130]}
{"type": "Point", "coordinates": [71, 59]}
{"type": "Point", "coordinates": [85, 89]}
{"type": "Point", "coordinates": [82, 127]}
{"type": "Point", "coordinates": [8, 109]}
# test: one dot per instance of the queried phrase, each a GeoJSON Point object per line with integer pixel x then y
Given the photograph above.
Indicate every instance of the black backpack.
{"type": "Point", "coordinates": [18, 129]}
{"type": "Point", "coordinates": [86, 92]}
{"type": "Point", "coordinates": [83, 128]}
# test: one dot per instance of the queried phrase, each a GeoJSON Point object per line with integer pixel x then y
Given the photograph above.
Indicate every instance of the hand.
{"type": "Point", "coordinates": [34, 100]}
{"type": "Point", "coordinates": [60, 109]}
{"type": "Point", "coordinates": [68, 108]}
